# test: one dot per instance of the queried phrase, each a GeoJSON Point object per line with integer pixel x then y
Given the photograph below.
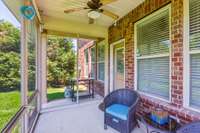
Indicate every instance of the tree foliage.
{"type": "Point", "coordinates": [61, 60]}
{"type": "Point", "coordinates": [9, 57]}
{"type": "Point", "coordinates": [9, 71]}
{"type": "Point", "coordinates": [9, 37]}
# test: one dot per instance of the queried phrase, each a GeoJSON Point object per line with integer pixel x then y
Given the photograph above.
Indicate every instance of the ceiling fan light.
{"type": "Point", "coordinates": [94, 14]}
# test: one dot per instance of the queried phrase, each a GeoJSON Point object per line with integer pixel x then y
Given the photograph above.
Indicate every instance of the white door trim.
{"type": "Point", "coordinates": [111, 62]}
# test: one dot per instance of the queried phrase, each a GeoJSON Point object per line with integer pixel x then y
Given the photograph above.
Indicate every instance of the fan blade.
{"type": "Point", "coordinates": [105, 2]}
{"type": "Point", "coordinates": [91, 21]}
{"type": "Point", "coordinates": [110, 14]}
{"type": "Point", "coordinates": [75, 9]}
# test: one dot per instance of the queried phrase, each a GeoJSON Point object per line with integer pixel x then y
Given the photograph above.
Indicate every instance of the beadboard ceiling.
{"type": "Point", "coordinates": [55, 8]}
{"type": "Point", "coordinates": [73, 24]}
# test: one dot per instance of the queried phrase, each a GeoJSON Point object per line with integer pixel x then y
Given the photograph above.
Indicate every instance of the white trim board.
{"type": "Point", "coordinates": [186, 73]}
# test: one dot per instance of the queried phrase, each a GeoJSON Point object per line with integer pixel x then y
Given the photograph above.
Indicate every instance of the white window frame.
{"type": "Point", "coordinates": [186, 58]}
{"type": "Point", "coordinates": [97, 52]}
{"type": "Point", "coordinates": [168, 7]}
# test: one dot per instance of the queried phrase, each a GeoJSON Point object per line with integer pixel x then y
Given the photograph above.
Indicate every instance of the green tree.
{"type": "Point", "coordinates": [61, 60]}
{"type": "Point", "coordinates": [9, 57]}
{"type": "Point", "coordinates": [9, 68]}
{"type": "Point", "coordinates": [9, 37]}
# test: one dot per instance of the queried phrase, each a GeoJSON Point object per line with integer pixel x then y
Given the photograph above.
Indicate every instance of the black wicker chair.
{"type": "Point", "coordinates": [193, 127]}
{"type": "Point", "coordinates": [125, 97]}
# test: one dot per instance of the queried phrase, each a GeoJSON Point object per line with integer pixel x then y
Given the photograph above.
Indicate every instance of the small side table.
{"type": "Point", "coordinates": [88, 93]}
{"type": "Point", "coordinates": [170, 127]}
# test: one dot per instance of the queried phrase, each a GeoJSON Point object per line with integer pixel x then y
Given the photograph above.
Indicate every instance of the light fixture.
{"type": "Point", "coordinates": [115, 23]}
{"type": "Point", "coordinates": [94, 14]}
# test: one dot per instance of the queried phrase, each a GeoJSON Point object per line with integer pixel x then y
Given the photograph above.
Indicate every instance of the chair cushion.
{"type": "Point", "coordinates": [118, 110]}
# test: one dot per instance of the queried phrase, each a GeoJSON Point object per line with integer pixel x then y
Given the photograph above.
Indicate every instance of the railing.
{"type": "Point", "coordinates": [18, 122]}
{"type": "Point", "coordinates": [14, 121]}
{"type": "Point", "coordinates": [33, 110]}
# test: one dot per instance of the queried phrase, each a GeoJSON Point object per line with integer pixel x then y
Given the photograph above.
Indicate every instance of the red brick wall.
{"type": "Point", "coordinates": [177, 53]}
{"type": "Point", "coordinates": [125, 29]}
{"type": "Point", "coordinates": [84, 46]}
{"type": "Point", "coordinates": [98, 85]}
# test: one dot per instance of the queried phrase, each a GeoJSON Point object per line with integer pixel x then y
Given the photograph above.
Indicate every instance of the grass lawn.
{"type": "Point", "coordinates": [58, 93]}
{"type": "Point", "coordinates": [55, 93]}
{"type": "Point", "coordinates": [9, 105]}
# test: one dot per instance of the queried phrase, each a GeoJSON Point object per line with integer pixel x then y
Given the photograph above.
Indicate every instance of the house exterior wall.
{"type": "Point", "coordinates": [83, 46]}
{"type": "Point", "coordinates": [86, 45]}
{"type": "Point", "coordinates": [124, 29]}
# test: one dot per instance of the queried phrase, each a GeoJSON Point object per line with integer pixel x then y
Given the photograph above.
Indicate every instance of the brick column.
{"type": "Point", "coordinates": [177, 53]}
{"type": "Point", "coordinates": [129, 57]}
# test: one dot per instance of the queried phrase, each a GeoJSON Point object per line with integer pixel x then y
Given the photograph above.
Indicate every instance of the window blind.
{"type": "Point", "coordinates": [100, 61]}
{"type": "Point", "coordinates": [153, 35]}
{"type": "Point", "coordinates": [93, 59]}
{"type": "Point", "coordinates": [93, 54]}
{"type": "Point", "coordinates": [101, 71]}
{"type": "Point", "coordinates": [194, 19]}
{"type": "Point", "coordinates": [194, 24]}
{"type": "Point", "coordinates": [153, 40]}
{"type": "Point", "coordinates": [153, 76]}
{"type": "Point", "coordinates": [101, 52]}
{"type": "Point", "coordinates": [195, 80]}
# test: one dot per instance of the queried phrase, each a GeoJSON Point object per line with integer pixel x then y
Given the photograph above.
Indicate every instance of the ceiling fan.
{"type": "Point", "coordinates": [95, 9]}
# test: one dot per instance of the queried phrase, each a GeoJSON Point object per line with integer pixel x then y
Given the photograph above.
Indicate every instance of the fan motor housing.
{"type": "Point", "coordinates": [94, 5]}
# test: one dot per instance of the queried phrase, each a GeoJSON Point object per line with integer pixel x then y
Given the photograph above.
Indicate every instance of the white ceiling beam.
{"type": "Point", "coordinates": [72, 35]}
{"type": "Point", "coordinates": [73, 27]}
{"type": "Point", "coordinates": [37, 11]}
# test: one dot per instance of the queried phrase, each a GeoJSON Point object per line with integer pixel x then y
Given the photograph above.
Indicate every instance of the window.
{"type": "Point", "coordinates": [100, 61]}
{"type": "Point", "coordinates": [153, 54]}
{"type": "Point", "coordinates": [86, 63]}
{"type": "Point", "coordinates": [93, 60]}
{"type": "Point", "coordinates": [194, 53]}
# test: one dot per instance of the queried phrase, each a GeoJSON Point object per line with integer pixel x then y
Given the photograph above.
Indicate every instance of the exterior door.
{"type": "Point", "coordinates": [118, 73]}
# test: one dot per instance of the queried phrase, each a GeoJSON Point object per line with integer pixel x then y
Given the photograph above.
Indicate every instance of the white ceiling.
{"type": "Point", "coordinates": [13, 6]}
{"type": "Point", "coordinates": [55, 8]}
{"type": "Point", "coordinates": [57, 22]}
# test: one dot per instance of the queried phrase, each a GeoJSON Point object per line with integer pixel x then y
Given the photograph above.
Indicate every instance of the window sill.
{"type": "Point", "coordinates": [182, 113]}
{"type": "Point", "coordinates": [192, 109]}
{"type": "Point", "coordinates": [155, 98]}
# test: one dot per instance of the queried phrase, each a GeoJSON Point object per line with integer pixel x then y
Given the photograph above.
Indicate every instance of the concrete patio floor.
{"type": "Point", "coordinates": [63, 116]}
